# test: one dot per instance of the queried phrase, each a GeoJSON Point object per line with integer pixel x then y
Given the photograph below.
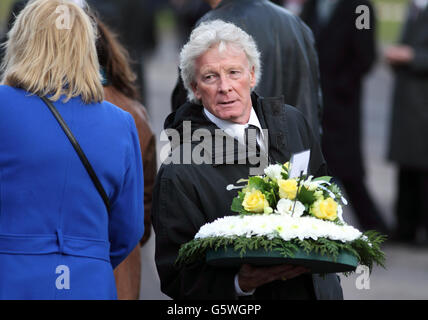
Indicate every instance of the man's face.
{"type": "Point", "coordinates": [223, 82]}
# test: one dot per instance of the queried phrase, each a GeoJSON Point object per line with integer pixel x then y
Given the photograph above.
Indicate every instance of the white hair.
{"type": "Point", "coordinates": [208, 35]}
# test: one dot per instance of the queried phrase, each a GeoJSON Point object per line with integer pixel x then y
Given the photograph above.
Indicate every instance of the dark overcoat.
{"type": "Point", "coordinates": [408, 145]}
{"type": "Point", "coordinates": [346, 54]}
{"type": "Point", "coordinates": [187, 196]}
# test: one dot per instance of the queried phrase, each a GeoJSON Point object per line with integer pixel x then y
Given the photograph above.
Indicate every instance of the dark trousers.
{"type": "Point", "coordinates": [364, 207]}
{"type": "Point", "coordinates": [412, 202]}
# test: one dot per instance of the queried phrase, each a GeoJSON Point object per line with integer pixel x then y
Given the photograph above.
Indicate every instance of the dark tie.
{"type": "Point", "coordinates": [251, 133]}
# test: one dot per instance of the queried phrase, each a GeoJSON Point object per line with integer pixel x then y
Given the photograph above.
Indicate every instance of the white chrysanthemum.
{"type": "Point", "coordinates": [295, 229]}
{"type": "Point", "coordinates": [261, 226]}
{"type": "Point", "coordinates": [278, 225]}
{"type": "Point", "coordinates": [274, 171]}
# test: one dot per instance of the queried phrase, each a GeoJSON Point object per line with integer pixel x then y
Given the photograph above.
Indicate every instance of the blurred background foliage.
{"type": "Point", "coordinates": [390, 14]}
{"type": "Point", "coordinates": [4, 9]}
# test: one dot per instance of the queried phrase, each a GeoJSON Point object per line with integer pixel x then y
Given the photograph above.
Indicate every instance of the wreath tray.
{"type": "Point", "coordinates": [320, 256]}
{"type": "Point", "coordinates": [345, 261]}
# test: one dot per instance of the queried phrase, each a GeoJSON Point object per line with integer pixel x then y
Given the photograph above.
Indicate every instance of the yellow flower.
{"type": "Point", "coordinates": [325, 209]}
{"type": "Point", "coordinates": [287, 188]}
{"type": "Point", "coordinates": [255, 201]}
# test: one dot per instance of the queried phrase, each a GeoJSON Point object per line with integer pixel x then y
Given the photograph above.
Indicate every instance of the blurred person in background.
{"type": "Point", "coordinates": [61, 234]}
{"type": "Point", "coordinates": [134, 23]}
{"type": "Point", "coordinates": [346, 54]}
{"type": "Point", "coordinates": [289, 59]}
{"type": "Point", "coordinates": [408, 147]}
{"type": "Point", "coordinates": [187, 13]}
{"type": "Point", "coordinates": [119, 89]}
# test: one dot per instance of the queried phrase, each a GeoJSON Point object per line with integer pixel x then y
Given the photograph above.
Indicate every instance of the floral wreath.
{"type": "Point", "coordinates": [278, 212]}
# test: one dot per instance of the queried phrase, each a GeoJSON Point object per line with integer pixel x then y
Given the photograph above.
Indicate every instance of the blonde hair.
{"type": "Point", "coordinates": [44, 56]}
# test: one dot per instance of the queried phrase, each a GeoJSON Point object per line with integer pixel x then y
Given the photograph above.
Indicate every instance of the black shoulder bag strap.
{"type": "Point", "coordinates": [79, 151]}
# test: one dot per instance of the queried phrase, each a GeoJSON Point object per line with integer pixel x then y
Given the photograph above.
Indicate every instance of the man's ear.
{"type": "Point", "coordinates": [252, 77]}
{"type": "Point", "coordinates": [196, 91]}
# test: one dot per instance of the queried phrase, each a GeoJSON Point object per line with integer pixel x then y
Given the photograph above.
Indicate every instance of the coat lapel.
{"type": "Point", "coordinates": [271, 111]}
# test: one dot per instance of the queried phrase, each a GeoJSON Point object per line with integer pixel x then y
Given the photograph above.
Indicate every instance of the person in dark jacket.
{"type": "Point", "coordinates": [408, 147]}
{"type": "Point", "coordinates": [288, 56]}
{"type": "Point", "coordinates": [346, 53]}
{"type": "Point", "coordinates": [220, 67]}
{"type": "Point", "coordinates": [187, 13]}
{"type": "Point", "coordinates": [134, 22]}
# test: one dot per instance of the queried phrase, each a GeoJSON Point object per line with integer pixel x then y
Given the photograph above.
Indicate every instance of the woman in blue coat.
{"type": "Point", "coordinates": [57, 238]}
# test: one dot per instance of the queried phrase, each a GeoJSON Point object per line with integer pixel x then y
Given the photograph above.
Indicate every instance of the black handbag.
{"type": "Point", "coordinates": [79, 151]}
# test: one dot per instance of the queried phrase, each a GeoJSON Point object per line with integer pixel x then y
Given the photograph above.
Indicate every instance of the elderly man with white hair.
{"type": "Point", "coordinates": [220, 66]}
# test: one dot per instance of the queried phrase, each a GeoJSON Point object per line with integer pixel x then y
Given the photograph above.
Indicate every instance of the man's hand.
{"type": "Point", "coordinates": [399, 55]}
{"type": "Point", "coordinates": [251, 277]}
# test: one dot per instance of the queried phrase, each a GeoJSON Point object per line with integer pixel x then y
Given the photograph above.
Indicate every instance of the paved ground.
{"type": "Point", "coordinates": [406, 275]}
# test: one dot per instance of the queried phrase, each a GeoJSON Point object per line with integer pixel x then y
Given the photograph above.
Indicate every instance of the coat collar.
{"type": "Point", "coordinates": [226, 2]}
{"type": "Point", "coordinates": [266, 109]}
